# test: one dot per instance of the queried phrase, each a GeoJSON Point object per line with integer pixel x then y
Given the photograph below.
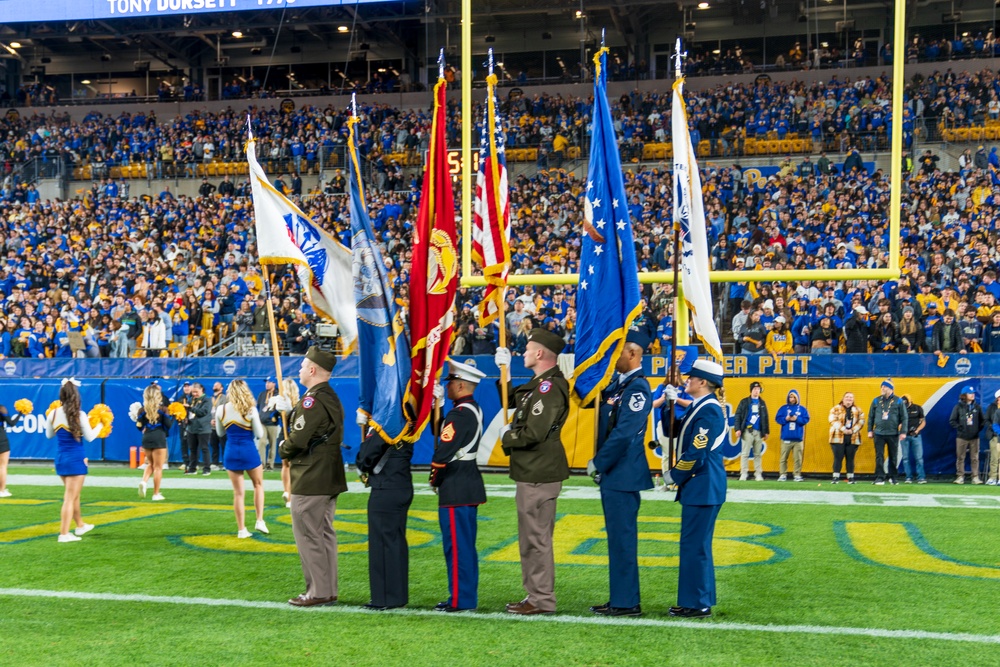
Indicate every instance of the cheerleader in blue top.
{"type": "Point", "coordinates": [70, 426]}
{"type": "Point", "coordinates": [239, 422]}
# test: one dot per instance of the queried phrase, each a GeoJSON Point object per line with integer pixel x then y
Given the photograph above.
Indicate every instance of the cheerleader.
{"type": "Point", "coordinates": [5, 421]}
{"type": "Point", "coordinates": [70, 426]}
{"type": "Point", "coordinates": [152, 419]}
{"type": "Point", "coordinates": [291, 391]}
{"type": "Point", "coordinates": [238, 421]}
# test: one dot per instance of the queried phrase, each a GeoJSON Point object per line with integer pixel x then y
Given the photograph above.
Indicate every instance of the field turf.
{"type": "Point", "coordinates": [854, 575]}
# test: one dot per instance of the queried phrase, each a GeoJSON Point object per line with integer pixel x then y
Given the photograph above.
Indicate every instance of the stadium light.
{"type": "Point", "coordinates": [86, 82]}
{"type": "Point", "coordinates": [237, 34]}
{"type": "Point", "coordinates": [343, 28]}
{"type": "Point", "coordinates": [15, 45]}
{"type": "Point", "coordinates": [702, 5]}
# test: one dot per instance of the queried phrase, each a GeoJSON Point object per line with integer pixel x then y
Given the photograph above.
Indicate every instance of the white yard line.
{"type": "Point", "coordinates": [557, 619]}
{"type": "Point", "coordinates": [218, 482]}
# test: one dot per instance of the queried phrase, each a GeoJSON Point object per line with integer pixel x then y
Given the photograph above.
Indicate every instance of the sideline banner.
{"type": "Point", "coordinates": [820, 380]}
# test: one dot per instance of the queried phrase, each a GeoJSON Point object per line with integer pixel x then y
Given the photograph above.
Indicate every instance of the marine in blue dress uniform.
{"type": "Point", "coordinates": [701, 490]}
{"type": "Point", "coordinates": [621, 470]}
{"type": "Point", "coordinates": [458, 483]}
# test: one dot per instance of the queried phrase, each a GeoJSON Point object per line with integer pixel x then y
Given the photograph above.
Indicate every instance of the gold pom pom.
{"type": "Point", "coordinates": [177, 411]}
{"type": "Point", "coordinates": [55, 405]}
{"type": "Point", "coordinates": [101, 415]}
{"type": "Point", "coordinates": [24, 406]}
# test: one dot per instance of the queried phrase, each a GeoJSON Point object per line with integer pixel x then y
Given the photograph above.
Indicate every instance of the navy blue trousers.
{"type": "Point", "coordinates": [458, 532]}
{"type": "Point", "coordinates": [621, 515]}
{"type": "Point", "coordinates": [388, 553]}
{"type": "Point", "coordinates": [696, 576]}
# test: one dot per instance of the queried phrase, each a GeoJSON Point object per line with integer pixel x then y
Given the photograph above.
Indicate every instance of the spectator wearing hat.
{"type": "Point", "coordinates": [620, 468]}
{"type": "Point", "coordinates": [779, 338]}
{"type": "Point", "coordinates": [856, 331]}
{"type": "Point", "coordinates": [700, 477]}
{"type": "Point", "coordinates": [993, 414]}
{"type": "Point", "coordinates": [947, 335]}
{"type": "Point", "coordinates": [912, 445]}
{"type": "Point", "coordinates": [968, 420]}
{"type": "Point", "coordinates": [887, 420]}
{"type": "Point", "coordinates": [792, 418]}
{"type": "Point", "coordinates": [538, 464]}
{"type": "Point", "coordinates": [752, 425]}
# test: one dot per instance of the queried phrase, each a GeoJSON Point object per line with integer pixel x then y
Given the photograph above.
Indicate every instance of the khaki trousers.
{"type": "Point", "coordinates": [961, 446]}
{"type": "Point", "coordinates": [795, 448]}
{"type": "Point", "coordinates": [751, 440]}
{"type": "Point", "coordinates": [536, 520]}
{"type": "Point", "coordinates": [312, 526]}
{"type": "Point", "coordinates": [272, 441]}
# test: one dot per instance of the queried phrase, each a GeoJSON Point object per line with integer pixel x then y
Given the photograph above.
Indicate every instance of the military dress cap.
{"type": "Point", "coordinates": [637, 337]}
{"type": "Point", "coordinates": [325, 360]}
{"type": "Point", "coordinates": [707, 370]}
{"type": "Point", "coordinates": [547, 339]}
{"type": "Point", "coordinates": [464, 372]}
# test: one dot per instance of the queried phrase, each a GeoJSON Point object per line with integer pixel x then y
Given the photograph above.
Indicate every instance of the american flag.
{"type": "Point", "coordinates": [491, 219]}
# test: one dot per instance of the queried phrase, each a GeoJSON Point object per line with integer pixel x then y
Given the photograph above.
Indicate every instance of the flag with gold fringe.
{"type": "Point", "coordinates": [608, 296]}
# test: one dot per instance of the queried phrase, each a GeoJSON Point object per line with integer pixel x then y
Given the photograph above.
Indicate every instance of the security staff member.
{"type": "Point", "coordinates": [537, 464]}
{"type": "Point", "coordinates": [386, 469]}
{"type": "Point", "coordinates": [317, 475]}
{"type": "Point", "coordinates": [701, 489]}
{"type": "Point", "coordinates": [456, 479]}
{"type": "Point", "coordinates": [621, 470]}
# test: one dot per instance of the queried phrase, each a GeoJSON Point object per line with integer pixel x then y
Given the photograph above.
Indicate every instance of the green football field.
{"type": "Point", "coordinates": [808, 574]}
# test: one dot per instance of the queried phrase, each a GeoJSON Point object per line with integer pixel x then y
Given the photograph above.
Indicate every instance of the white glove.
{"type": "Point", "coordinates": [279, 403]}
{"type": "Point", "coordinates": [360, 418]}
{"type": "Point", "coordinates": [133, 411]}
{"type": "Point", "coordinates": [438, 392]}
{"type": "Point", "coordinates": [502, 357]}
{"type": "Point", "coordinates": [668, 479]}
{"type": "Point", "coordinates": [591, 468]}
{"type": "Point", "coordinates": [503, 431]}
{"type": "Point", "coordinates": [670, 393]}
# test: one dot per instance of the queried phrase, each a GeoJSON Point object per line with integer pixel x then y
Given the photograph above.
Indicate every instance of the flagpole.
{"type": "Point", "coordinates": [679, 305]}
{"type": "Point", "coordinates": [504, 370]}
{"type": "Point", "coordinates": [274, 340]}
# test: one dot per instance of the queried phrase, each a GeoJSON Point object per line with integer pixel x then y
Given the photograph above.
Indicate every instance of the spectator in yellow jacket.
{"type": "Point", "coordinates": [779, 338]}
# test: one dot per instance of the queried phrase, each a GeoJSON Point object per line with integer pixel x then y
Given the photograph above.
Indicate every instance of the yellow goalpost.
{"type": "Point", "coordinates": [895, 192]}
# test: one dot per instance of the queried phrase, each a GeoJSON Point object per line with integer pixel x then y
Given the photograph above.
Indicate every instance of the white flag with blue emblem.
{"type": "Point", "coordinates": [689, 212]}
{"type": "Point", "coordinates": [286, 235]}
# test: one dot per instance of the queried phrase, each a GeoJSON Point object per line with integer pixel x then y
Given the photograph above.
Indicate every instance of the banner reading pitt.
{"type": "Point", "coordinates": [434, 279]}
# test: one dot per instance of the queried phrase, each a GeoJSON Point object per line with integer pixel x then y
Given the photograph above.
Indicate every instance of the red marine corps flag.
{"type": "Point", "coordinates": [434, 278]}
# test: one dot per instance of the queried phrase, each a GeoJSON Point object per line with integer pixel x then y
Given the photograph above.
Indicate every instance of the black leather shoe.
{"type": "Point", "coordinates": [618, 611]}
{"type": "Point", "coordinates": [685, 612]}
{"type": "Point", "coordinates": [452, 610]}
{"type": "Point", "coordinates": [442, 606]}
{"type": "Point", "coordinates": [600, 608]}
{"type": "Point", "coordinates": [375, 607]}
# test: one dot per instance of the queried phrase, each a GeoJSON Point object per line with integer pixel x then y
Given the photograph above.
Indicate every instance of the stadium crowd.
{"type": "Point", "coordinates": [833, 114]}
{"type": "Point", "coordinates": [166, 274]}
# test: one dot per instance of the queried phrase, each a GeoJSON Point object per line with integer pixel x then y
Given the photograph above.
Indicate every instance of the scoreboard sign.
{"type": "Point", "coordinates": [23, 11]}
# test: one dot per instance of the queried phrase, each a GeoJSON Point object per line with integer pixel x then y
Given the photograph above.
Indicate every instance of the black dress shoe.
{"type": "Point", "coordinates": [600, 608]}
{"type": "Point", "coordinates": [686, 612]}
{"type": "Point", "coordinates": [617, 611]}
{"type": "Point", "coordinates": [376, 607]}
{"type": "Point", "coordinates": [442, 606]}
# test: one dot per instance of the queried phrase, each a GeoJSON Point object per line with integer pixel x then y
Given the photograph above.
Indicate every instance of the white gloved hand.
{"type": "Point", "coordinates": [503, 431]}
{"type": "Point", "coordinates": [279, 403]}
{"type": "Point", "coordinates": [502, 357]}
{"type": "Point", "coordinates": [360, 418]}
{"type": "Point", "coordinates": [438, 392]}
{"type": "Point", "coordinates": [133, 411]}
{"type": "Point", "coordinates": [668, 479]}
{"type": "Point", "coordinates": [670, 393]}
{"type": "Point", "coordinates": [591, 469]}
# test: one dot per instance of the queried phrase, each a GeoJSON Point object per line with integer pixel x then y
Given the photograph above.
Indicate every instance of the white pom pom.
{"type": "Point", "coordinates": [133, 411]}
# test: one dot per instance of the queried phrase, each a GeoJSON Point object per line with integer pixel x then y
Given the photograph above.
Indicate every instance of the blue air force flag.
{"type": "Point", "coordinates": [608, 296]}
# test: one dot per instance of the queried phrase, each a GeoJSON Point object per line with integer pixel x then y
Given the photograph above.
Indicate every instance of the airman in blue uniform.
{"type": "Point", "coordinates": [621, 470]}
{"type": "Point", "coordinates": [700, 477]}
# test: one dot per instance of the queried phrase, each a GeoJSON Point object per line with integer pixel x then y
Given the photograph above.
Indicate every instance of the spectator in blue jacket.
{"type": "Point", "coordinates": [792, 418]}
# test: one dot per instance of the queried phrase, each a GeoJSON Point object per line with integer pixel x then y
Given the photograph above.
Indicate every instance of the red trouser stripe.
{"type": "Point", "coordinates": [454, 558]}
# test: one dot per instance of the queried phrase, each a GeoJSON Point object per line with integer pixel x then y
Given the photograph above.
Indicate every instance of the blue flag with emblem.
{"type": "Point", "coordinates": [608, 297]}
{"type": "Point", "coordinates": [384, 352]}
